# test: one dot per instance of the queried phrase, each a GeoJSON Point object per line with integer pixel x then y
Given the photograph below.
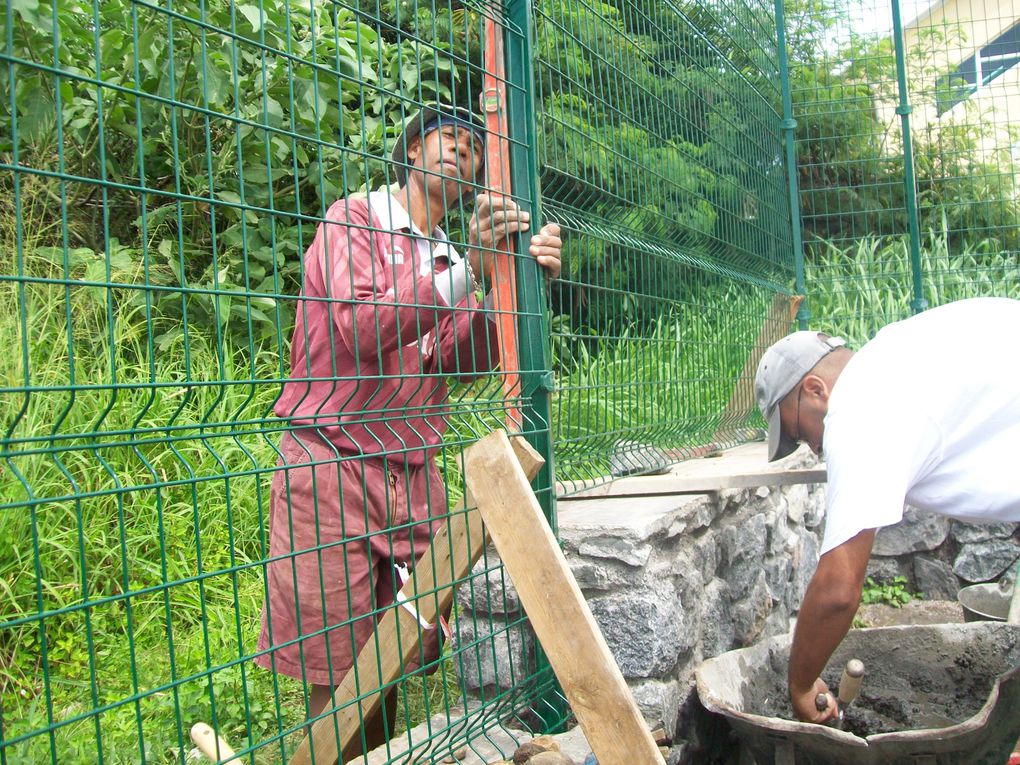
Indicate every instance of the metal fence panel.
{"type": "Point", "coordinates": [907, 151]}
{"type": "Point", "coordinates": [165, 167]}
{"type": "Point", "coordinates": [661, 152]}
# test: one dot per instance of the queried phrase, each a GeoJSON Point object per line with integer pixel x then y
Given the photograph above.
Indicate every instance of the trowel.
{"type": "Point", "coordinates": [849, 687]}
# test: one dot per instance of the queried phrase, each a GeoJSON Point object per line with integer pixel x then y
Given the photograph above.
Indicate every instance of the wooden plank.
{"type": "Point", "coordinates": [570, 637]}
{"type": "Point", "coordinates": [498, 183]}
{"type": "Point", "coordinates": [777, 324]}
{"type": "Point", "coordinates": [658, 485]}
{"type": "Point", "coordinates": [454, 551]}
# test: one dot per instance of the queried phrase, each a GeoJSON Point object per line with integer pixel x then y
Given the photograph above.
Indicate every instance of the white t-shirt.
{"type": "Point", "coordinates": [928, 414]}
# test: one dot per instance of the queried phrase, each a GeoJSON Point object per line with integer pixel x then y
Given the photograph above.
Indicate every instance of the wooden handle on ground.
{"type": "Point", "coordinates": [213, 746]}
{"type": "Point", "coordinates": [850, 684]}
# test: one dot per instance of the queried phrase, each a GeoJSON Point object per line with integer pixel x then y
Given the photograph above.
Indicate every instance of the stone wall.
{"type": "Point", "coordinates": [938, 556]}
{"type": "Point", "coordinates": [671, 580]}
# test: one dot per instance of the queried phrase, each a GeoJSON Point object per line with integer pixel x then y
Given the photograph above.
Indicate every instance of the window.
{"type": "Point", "coordinates": [971, 74]}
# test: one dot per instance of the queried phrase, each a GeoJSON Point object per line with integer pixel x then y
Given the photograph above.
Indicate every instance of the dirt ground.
{"type": "Point", "coordinates": [914, 612]}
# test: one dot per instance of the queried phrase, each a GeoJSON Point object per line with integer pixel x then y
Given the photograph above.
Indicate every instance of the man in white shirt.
{"type": "Point", "coordinates": [926, 414]}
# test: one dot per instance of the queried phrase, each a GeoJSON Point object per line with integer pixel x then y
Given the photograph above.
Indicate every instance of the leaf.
{"type": "Point", "coordinates": [29, 12]}
{"type": "Point", "coordinates": [253, 14]}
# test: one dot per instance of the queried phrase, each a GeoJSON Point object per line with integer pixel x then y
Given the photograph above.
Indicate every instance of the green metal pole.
{"type": "Point", "coordinates": [789, 126]}
{"type": "Point", "coordinates": [537, 382]}
{"type": "Point", "coordinates": [918, 304]}
{"type": "Point", "coordinates": [532, 332]}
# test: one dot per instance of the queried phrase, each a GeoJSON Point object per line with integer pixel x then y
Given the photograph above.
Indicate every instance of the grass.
{"type": "Point", "coordinates": [668, 388]}
{"type": "Point", "coordinates": [855, 290]}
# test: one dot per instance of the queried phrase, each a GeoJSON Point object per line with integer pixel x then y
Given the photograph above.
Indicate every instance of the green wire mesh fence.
{"type": "Point", "coordinates": [181, 432]}
{"type": "Point", "coordinates": [662, 154]}
{"type": "Point", "coordinates": [195, 412]}
{"type": "Point", "coordinates": [908, 142]}
{"type": "Point", "coordinates": [212, 394]}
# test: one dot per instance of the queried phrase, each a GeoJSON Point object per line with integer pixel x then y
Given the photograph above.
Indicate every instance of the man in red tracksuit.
{"type": "Point", "coordinates": [389, 309]}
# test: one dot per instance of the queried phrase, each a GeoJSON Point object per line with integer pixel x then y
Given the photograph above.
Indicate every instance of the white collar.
{"type": "Point", "coordinates": [393, 217]}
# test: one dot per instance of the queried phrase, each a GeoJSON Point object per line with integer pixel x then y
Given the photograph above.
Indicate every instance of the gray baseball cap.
{"type": "Point", "coordinates": [428, 115]}
{"type": "Point", "coordinates": [780, 369]}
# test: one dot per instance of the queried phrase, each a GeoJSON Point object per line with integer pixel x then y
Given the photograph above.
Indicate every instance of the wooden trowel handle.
{"type": "Point", "coordinates": [850, 684]}
{"type": "Point", "coordinates": [212, 746]}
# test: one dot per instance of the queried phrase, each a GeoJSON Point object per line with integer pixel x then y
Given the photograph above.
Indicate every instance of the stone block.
{"type": "Point", "coordinates": [777, 576]}
{"type": "Point", "coordinates": [883, 569]}
{"type": "Point", "coordinates": [492, 654]}
{"type": "Point", "coordinates": [806, 565]}
{"type": "Point", "coordinates": [751, 612]}
{"type": "Point", "coordinates": [935, 579]}
{"type": "Point", "coordinates": [917, 532]}
{"type": "Point", "coordinates": [966, 533]}
{"type": "Point", "coordinates": [717, 633]}
{"type": "Point", "coordinates": [589, 575]}
{"type": "Point", "coordinates": [658, 700]}
{"type": "Point", "coordinates": [796, 503]}
{"type": "Point", "coordinates": [644, 629]}
{"type": "Point", "coordinates": [745, 540]}
{"type": "Point", "coordinates": [615, 548]}
{"type": "Point", "coordinates": [490, 591]}
{"type": "Point", "coordinates": [984, 561]}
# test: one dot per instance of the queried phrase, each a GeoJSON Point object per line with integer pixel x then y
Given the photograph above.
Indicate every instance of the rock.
{"type": "Point", "coordinates": [657, 699]}
{"type": "Point", "coordinates": [623, 550]}
{"type": "Point", "coordinates": [917, 532]}
{"type": "Point", "coordinates": [804, 568]}
{"type": "Point", "coordinates": [777, 576]}
{"type": "Point", "coordinates": [549, 758]}
{"type": "Point", "coordinates": [883, 569]}
{"type": "Point", "coordinates": [796, 503]}
{"type": "Point", "coordinates": [489, 591]}
{"type": "Point", "coordinates": [494, 654]}
{"type": "Point", "coordinates": [749, 614]}
{"type": "Point", "coordinates": [742, 548]}
{"type": "Point", "coordinates": [527, 751]}
{"type": "Point", "coordinates": [935, 579]}
{"type": "Point", "coordinates": [984, 561]}
{"type": "Point", "coordinates": [717, 636]}
{"type": "Point", "coordinates": [966, 533]}
{"type": "Point", "coordinates": [641, 629]}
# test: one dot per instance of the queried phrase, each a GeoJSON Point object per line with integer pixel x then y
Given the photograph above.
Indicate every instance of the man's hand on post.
{"type": "Point", "coordinates": [497, 216]}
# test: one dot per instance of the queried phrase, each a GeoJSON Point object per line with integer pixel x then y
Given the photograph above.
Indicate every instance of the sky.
{"type": "Point", "coordinates": [876, 16]}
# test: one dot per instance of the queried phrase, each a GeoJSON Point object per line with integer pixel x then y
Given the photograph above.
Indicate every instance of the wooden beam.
{"type": "Point", "coordinates": [454, 551]}
{"type": "Point", "coordinates": [777, 324]}
{"type": "Point", "coordinates": [660, 485]}
{"type": "Point", "coordinates": [570, 637]}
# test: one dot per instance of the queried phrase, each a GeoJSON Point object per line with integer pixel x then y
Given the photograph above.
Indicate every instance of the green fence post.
{"type": "Point", "coordinates": [533, 329]}
{"type": "Point", "coordinates": [533, 333]}
{"type": "Point", "coordinates": [789, 126]}
{"type": "Point", "coordinates": [903, 109]}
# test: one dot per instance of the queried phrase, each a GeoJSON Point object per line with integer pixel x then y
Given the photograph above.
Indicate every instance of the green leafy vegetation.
{"type": "Point", "coordinates": [892, 592]}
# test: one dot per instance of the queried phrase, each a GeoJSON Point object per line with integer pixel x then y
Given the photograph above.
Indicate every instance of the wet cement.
{"type": "Point", "coordinates": [915, 679]}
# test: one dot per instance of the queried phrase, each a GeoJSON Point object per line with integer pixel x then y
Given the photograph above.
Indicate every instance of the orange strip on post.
{"type": "Point", "coordinates": [497, 167]}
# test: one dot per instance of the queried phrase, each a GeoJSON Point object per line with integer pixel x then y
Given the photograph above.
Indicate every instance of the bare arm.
{"type": "Point", "coordinates": [825, 617]}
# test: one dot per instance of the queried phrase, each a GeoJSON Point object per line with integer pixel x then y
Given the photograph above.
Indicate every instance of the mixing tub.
{"type": "Point", "coordinates": [933, 695]}
{"type": "Point", "coordinates": [985, 602]}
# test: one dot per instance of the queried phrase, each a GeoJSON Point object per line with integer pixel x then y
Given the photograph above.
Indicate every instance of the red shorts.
{"type": "Point", "coordinates": [337, 528]}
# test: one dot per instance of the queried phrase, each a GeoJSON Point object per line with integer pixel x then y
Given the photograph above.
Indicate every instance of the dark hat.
{"type": "Point", "coordinates": [427, 115]}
